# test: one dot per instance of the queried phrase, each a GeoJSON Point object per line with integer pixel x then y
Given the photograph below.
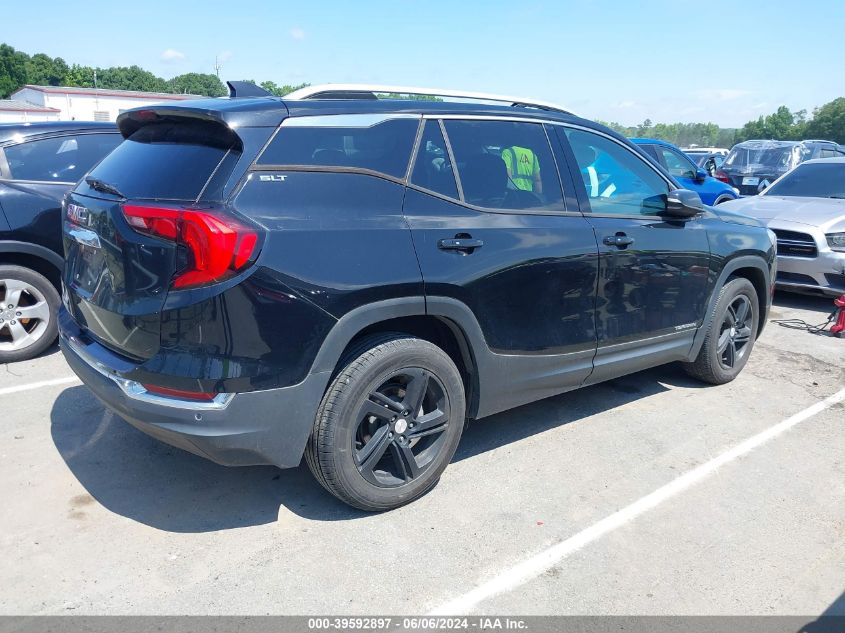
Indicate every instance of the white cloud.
{"type": "Point", "coordinates": [224, 56]}
{"type": "Point", "coordinates": [722, 94]}
{"type": "Point", "coordinates": [624, 105]}
{"type": "Point", "coordinates": [297, 34]}
{"type": "Point", "coordinates": [172, 55]}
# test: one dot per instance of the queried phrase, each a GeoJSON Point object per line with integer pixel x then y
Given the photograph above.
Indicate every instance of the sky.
{"type": "Point", "coordinates": [725, 62]}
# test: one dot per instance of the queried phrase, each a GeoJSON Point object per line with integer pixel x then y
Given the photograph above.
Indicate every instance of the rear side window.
{"type": "Point", "coordinates": [375, 142]}
{"type": "Point", "coordinates": [61, 158]}
{"type": "Point", "coordinates": [167, 161]}
{"type": "Point", "coordinates": [433, 169]}
{"type": "Point", "coordinates": [505, 164]}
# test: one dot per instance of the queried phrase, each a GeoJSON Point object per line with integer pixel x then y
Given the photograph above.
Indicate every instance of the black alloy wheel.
{"type": "Point", "coordinates": [389, 422]}
{"type": "Point", "coordinates": [401, 428]}
{"type": "Point", "coordinates": [735, 332]}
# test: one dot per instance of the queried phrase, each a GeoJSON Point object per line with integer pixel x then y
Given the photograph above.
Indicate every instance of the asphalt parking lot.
{"type": "Point", "coordinates": [99, 519]}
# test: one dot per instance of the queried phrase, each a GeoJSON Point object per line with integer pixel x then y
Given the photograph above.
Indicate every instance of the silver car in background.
{"type": "Point", "coordinates": [806, 210]}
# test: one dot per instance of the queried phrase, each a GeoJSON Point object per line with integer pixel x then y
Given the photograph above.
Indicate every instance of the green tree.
{"type": "Point", "coordinates": [42, 70]}
{"type": "Point", "coordinates": [782, 125]}
{"type": "Point", "coordinates": [828, 122]}
{"type": "Point", "coordinates": [197, 84]}
{"type": "Point", "coordinates": [130, 78]}
{"type": "Point", "coordinates": [80, 76]}
{"type": "Point", "coordinates": [12, 70]}
{"type": "Point", "coordinates": [281, 91]}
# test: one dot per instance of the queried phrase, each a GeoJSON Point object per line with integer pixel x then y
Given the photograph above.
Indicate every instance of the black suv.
{"type": "Point", "coordinates": [252, 279]}
{"type": "Point", "coordinates": [39, 163]}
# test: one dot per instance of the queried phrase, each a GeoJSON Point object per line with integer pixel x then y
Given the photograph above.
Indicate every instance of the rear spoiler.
{"type": "Point", "coordinates": [230, 113]}
{"type": "Point", "coordinates": [239, 89]}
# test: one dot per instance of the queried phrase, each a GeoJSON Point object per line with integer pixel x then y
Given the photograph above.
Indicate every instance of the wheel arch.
{"type": "Point", "coordinates": [35, 257]}
{"type": "Point", "coordinates": [749, 267]}
{"type": "Point", "coordinates": [408, 315]}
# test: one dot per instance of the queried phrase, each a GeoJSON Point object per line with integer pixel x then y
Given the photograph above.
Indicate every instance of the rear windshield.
{"type": "Point", "coordinates": [779, 158]}
{"type": "Point", "coordinates": [814, 180]}
{"type": "Point", "coordinates": [167, 161]}
{"type": "Point", "coordinates": [372, 142]}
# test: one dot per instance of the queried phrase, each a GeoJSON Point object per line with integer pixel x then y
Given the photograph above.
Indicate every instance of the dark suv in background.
{"type": "Point", "coordinates": [751, 166]}
{"type": "Point", "coordinates": [255, 279]}
{"type": "Point", "coordinates": [39, 163]}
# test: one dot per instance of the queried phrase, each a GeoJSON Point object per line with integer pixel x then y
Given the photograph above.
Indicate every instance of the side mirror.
{"type": "Point", "coordinates": [700, 175]}
{"type": "Point", "coordinates": [683, 203]}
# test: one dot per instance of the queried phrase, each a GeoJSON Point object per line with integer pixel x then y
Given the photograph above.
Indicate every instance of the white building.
{"type": "Point", "coordinates": [22, 112]}
{"type": "Point", "coordinates": [90, 104]}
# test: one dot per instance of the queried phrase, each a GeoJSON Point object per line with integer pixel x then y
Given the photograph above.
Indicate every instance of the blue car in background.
{"type": "Point", "coordinates": [686, 172]}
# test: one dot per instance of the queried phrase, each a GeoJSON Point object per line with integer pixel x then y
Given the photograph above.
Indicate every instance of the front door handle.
{"type": "Point", "coordinates": [466, 244]}
{"type": "Point", "coordinates": [620, 239]}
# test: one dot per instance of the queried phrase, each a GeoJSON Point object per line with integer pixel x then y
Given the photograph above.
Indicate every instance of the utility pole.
{"type": "Point", "coordinates": [95, 79]}
{"type": "Point", "coordinates": [217, 66]}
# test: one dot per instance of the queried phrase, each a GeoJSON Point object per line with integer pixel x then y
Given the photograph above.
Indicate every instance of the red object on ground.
{"type": "Point", "coordinates": [838, 328]}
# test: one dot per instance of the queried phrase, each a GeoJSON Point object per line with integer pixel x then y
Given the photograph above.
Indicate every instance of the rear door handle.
{"type": "Point", "coordinates": [460, 244]}
{"type": "Point", "coordinates": [620, 239]}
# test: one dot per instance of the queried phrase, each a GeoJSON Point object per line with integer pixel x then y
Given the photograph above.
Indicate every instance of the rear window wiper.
{"type": "Point", "coordinates": [101, 185]}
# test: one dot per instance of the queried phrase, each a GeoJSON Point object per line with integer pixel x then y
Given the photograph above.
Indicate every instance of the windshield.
{"type": "Point", "coordinates": [814, 180]}
{"type": "Point", "coordinates": [778, 158]}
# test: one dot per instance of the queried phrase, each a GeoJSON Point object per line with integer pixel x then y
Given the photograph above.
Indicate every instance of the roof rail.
{"type": "Point", "coordinates": [369, 91]}
{"type": "Point", "coordinates": [818, 140]}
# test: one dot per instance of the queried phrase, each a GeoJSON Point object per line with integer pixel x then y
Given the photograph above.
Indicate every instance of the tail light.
{"type": "Point", "coordinates": [720, 175]}
{"type": "Point", "coordinates": [218, 245]}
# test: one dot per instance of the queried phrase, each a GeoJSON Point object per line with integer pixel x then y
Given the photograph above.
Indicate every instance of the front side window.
{"type": "Point", "coordinates": [616, 180]}
{"type": "Point", "coordinates": [61, 158]}
{"type": "Point", "coordinates": [676, 164]}
{"type": "Point", "coordinates": [505, 164]}
{"type": "Point", "coordinates": [370, 141]}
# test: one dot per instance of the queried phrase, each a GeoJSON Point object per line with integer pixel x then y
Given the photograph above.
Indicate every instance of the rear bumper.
{"type": "Point", "coordinates": [257, 427]}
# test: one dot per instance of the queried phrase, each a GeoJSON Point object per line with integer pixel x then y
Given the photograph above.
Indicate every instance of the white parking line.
{"type": "Point", "coordinates": [538, 564]}
{"type": "Point", "coordinates": [37, 385]}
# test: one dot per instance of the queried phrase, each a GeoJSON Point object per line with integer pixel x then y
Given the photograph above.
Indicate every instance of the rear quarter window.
{"type": "Point", "coordinates": [64, 158]}
{"type": "Point", "coordinates": [374, 142]}
{"type": "Point", "coordinates": [167, 161]}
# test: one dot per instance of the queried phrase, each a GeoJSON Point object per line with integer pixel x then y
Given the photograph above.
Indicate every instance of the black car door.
{"type": "Point", "coordinates": [38, 173]}
{"type": "Point", "coordinates": [501, 242]}
{"type": "Point", "coordinates": [653, 275]}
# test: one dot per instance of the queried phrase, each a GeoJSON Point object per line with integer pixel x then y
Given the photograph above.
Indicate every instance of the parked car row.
{"type": "Point", "coordinates": [752, 166]}
{"type": "Point", "coordinates": [690, 175]}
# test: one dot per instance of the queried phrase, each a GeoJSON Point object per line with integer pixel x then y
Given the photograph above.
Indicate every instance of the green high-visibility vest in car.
{"type": "Point", "coordinates": [523, 166]}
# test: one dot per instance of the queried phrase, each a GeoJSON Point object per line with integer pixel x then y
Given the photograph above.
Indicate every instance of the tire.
{"type": "Point", "coordinates": [722, 199]}
{"type": "Point", "coordinates": [376, 445]}
{"type": "Point", "coordinates": [730, 336]}
{"type": "Point", "coordinates": [29, 293]}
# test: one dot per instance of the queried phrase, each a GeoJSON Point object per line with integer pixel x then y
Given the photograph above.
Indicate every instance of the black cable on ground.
{"type": "Point", "coordinates": [799, 324]}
